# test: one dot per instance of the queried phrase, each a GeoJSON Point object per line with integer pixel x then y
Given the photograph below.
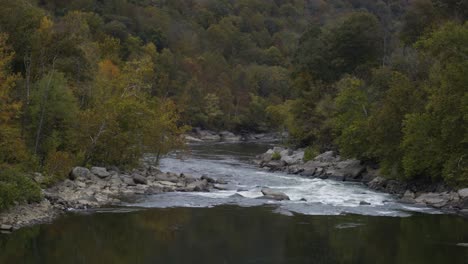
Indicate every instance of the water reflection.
{"type": "Point", "coordinates": [231, 234]}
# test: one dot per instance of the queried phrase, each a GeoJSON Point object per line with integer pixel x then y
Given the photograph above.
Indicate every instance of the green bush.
{"type": "Point", "coordinates": [310, 153]}
{"type": "Point", "coordinates": [276, 156]}
{"type": "Point", "coordinates": [16, 187]}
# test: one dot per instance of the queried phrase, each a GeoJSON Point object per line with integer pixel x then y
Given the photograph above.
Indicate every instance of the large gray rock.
{"type": "Point", "coordinates": [100, 172]}
{"type": "Point", "coordinates": [378, 183]}
{"type": "Point", "coordinates": [293, 159]}
{"type": "Point", "coordinates": [188, 178]}
{"type": "Point", "coordinates": [80, 172]}
{"type": "Point", "coordinates": [328, 156]}
{"type": "Point", "coordinates": [198, 186]}
{"type": "Point", "coordinates": [463, 193]}
{"type": "Point", "coordinates": [274, 195]}
{"type": "Point", "coordinates": [408, 197]}
{"type": "Point", "coordinates": [208, 179]}
{"type": "Point", "coordinates": [138, 179]}
{"type": "Point", "coordinates": [350, 169]}
{"type": "Point", "coordinates": [127, 180]}
{"type": "Point", "coordinates": [6, 227]}
{"type": "Point", "coordinates": [313, 168]}
{"type": "Point", "coordinates": [230, 137]}
{"type": "Point", "coordinates": [189, 138]}
{"type": "Point", "coordinates": [167, 177]}
{"type": "Point", "coordinates": [437, 200]}
{"type": "Point", "coordinates": [208, 135]}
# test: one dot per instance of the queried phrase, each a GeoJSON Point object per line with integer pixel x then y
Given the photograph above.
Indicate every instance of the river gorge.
{"type": "Point", "coordinates": [324, 221]}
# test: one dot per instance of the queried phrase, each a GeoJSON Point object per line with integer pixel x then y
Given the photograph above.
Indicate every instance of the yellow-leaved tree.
{"type": "Point", "coordinates": [124, 120]}
{"type": "Point", "coordinates": [12, 147]}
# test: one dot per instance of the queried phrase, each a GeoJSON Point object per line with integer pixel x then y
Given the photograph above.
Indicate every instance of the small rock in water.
{"type": "Point", "coordinates": [221, 187]}
{"type": "Point", "coordinates": [236, 195]}
{"type": "Point", "coordinates": [364, 203]}
{"type": "Point", "coordinates": [274, 195]}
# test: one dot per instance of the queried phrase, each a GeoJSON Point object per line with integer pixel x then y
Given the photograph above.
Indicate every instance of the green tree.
{"type": "Point", "coordinates": [435, 141]}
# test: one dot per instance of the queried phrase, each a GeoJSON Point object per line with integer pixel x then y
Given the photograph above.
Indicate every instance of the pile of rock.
{"type": "Point", "coordinates": [200, 135]}
{"type": "Point", "coordinates": [329, 165]}
{"type": "Point", "coordinates": [98, 187]}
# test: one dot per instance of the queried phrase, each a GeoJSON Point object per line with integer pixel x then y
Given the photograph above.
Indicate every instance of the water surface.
{"type": "Point", "coordinates": [232, 234]}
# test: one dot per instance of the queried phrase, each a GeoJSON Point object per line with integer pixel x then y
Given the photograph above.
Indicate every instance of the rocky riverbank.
{"type": "Point", "coordinates": [329, 165]}
{"type": "Point", "coordinates": [199, 135]}
{"type": "Point", "coordinates": [100, 187]}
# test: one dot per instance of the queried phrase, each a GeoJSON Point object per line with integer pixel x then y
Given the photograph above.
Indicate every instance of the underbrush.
{"type": "Point", "coordinates": [16, 187]}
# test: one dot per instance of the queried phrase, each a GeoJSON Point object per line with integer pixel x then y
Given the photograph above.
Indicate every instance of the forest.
{"type": "Point", "coordinates": [93, 82]}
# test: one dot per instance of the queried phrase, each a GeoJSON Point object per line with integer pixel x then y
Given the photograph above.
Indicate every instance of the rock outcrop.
{"type": "Point", "coordinates": [100, 187]}
{"type": "Point", "coordinates": [330, 165]}
{"type": "Point", "coordinates": [199, 135]}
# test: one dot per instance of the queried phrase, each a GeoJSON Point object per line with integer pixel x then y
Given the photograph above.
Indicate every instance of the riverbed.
{"type": "Point", "coordinates": [324, 222]}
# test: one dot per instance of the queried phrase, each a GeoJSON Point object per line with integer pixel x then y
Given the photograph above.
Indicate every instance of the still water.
{"type": "Point", "coordinates": [330, 227]}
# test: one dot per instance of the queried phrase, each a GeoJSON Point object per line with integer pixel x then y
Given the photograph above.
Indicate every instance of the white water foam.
{"type": "Point", "coordinates": [308, 196]}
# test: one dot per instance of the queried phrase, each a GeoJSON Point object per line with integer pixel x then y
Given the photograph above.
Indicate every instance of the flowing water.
{"type": "Point", "coordinates": [323, 223]}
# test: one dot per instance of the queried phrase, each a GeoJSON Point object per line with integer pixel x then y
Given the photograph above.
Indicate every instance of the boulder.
{"type": "Point", "coordinates": [230, 137]}
{"type": "Point", "coordinates": [274, 195]}
{"type": "Point", "coordinates": [208, 136]}
{"type": "Point", "coordinates": [167, 183]}
{"type": "Point", "coordinates": [100, 172]}
{"type": "Point", "coordinates": [236, 195]}
{"type": "Point", "coordinates": [198, 186]}
{"type": "Point", "coordinates": [378, 183]}
{"type": "Point", "coordinates": [275, 165]}
{"type": "Point", "coordinates": [127, 180]}
{"type": "Point", "coordinates": [437, 200]}
{"type": "Point", "coordinates": [328, 156]}
{"type": "Point", "coordinates": [6, 227]}
{"type": "Point", "coordinates": [80, 172]}
{"type": "Point", "coordinates": [192, 139]}
{"type": "Point", "coordinates": [167, 177]}
{"type": "Point", "coordinates": [408, 197]}
{"type": "Point", "coordinates": [463, 193]}
{"type": "Point", "coordinates": [221, 187]}
{"type": "Point", "coordinates": [138, 179]}
{"type": "Point", "coordinates": [349, 169]}
{"type": "Point", "coordinates": [295, 158]}
{"type": "Point", "coordinates": [364, 203]}
{"type": "Point", "coordinates": [208, 179]}
{"type": "Point", "coordinates": [313, 168]}
{"type": "Point", "coordinates": [188, 178]}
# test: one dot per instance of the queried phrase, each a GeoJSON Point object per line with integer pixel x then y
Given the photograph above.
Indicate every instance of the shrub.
{"type": "Point", "coordinates": [16, 187]}
{"type": "Point", "coordinates": [276, 156]}
{"type": "Point", "coordinates": [58, 164]}
{"type": "Point", "coordinates": [310, 153]}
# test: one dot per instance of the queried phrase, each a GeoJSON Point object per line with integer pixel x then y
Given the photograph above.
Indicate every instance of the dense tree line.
{"type": "Point", "coordinates": [393, 95]}
{"type": "Point", "coordinates": [102, 82]}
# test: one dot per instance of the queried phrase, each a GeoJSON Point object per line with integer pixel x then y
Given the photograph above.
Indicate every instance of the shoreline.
{"type": "Point", "coordinates": [97, 188]}
{"type": "Point", "coordinates": [329, 165]}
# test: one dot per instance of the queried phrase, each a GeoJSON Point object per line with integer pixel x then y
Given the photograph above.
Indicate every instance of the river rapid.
{"type": "Point", "coordinates": [324, 222]}
{"type": "Point", "coordinates": [232, 163]}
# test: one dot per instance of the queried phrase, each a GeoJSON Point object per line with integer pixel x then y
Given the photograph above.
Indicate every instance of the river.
{"type": "Point", "coordinates": [323, 223]}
